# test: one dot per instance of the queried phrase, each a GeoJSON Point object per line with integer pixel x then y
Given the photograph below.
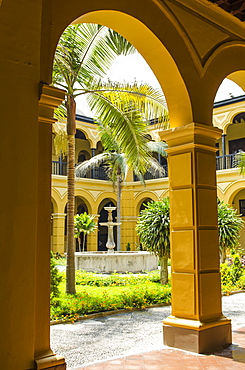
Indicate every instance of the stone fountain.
{"type": "Point", "coordinates": [111, 261]}
{"type": "Point", "coordinates": [110, 244]}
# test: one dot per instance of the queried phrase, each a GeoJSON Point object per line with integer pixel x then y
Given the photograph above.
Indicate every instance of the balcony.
{"type": "Point", "coordinates": [60, 168]}
{"type": "Point", "coordinates": [149, 176]}
{"type": "Point", "coordinates": [225, 162]}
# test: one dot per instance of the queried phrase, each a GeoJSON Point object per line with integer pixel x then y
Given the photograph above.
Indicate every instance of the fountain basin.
{"type": "Point", "coordinates": [103, 262]}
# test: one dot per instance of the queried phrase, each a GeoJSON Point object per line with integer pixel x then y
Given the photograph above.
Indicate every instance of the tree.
{"type": "Point", "coordinates": [85, 224]}
{"type": "Point", "coordinates": [153, 228]}
{"type": "Point", "coordinates": [229, 227]}
{"type": "Point", "coordinates": [119, 164]}
{"type": "Point", "coordinates": [84, 53]}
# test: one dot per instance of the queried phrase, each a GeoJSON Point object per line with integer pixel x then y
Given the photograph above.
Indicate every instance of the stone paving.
{"type": "Point", "coordinates": [128, 334]}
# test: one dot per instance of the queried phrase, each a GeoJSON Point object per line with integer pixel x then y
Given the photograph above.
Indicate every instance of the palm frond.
{"type": "Point", "coordinates": [118, 168]}
{"type": "Point", "coordinates": [119, 44]}
{"type": "Point", "coordinates": [158, 147]}
{"type": "Point", "coordinates": [144, 97]}
{"type": "Point", "coordinates": [127, 129]}
{"type": "Point", "coordinates": [61, 143]}
{"type": "Point", "coordinates": [86, 50]}
{"type": "Point", "coordinates": [83, 168]}
{"type": "Point", "coordinates": [106, 137]}
{"type": "Point", "coordinates": [155, 168]}
{"type": "Point", "coordinates": [60, 113]}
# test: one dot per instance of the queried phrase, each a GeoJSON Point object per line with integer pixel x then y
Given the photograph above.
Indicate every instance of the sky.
{"type": "Point", "coordinates": [131, 67]}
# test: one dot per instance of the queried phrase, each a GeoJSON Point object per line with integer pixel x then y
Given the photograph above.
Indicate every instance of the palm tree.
{"type": "Point", "coordinates": [118, 165]}
{"type": "Point", "coordinates": [85, 224]}
{"type": "Point", "coordinates": [83, 56]}
{"type": "Point", "coordinates": [84, 51]}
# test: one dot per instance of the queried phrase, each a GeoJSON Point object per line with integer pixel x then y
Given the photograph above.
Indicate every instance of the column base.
{"type": "Point", "coordinates": [194, 336]}
{"type": "Point", "coordinates": [51, 362]}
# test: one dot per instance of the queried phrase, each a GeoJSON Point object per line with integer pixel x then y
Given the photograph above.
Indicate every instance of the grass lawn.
{"type": "Point", "coordinates": [96, 293]}
{"type": "Point", "coordinates": [100, 293]}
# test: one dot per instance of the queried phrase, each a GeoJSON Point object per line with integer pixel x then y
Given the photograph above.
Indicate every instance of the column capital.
{"type": "Point", "coordinates": [58, 215]}
{"type": "Point", "coordinates": [50, 98]}
{"type": "Point", "coordinates": [193, 133]}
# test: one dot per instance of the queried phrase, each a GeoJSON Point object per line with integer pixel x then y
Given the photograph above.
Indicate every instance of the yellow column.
{"type": "Point", "coordinates": [128, 234]}
{"type": "Point", "coordinates": [93, 237]}
{"type": "Point", "coordinates": [58, 244]}
{"type": "Point", "coordinates": [196, 323]}
{"type": "Point", "coordinates": [44, 357]}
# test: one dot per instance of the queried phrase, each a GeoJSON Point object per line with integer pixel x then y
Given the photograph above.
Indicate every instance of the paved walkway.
{"type": "Point", "coordinates": [133, 341]}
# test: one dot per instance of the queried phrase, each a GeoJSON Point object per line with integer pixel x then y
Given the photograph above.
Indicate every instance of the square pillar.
{"type": "Point", "coordinates": [196, 323]}
{"type": "Point", "coordinates": [92, 238]}
{"type": "Point", "coordinates": [50, 99]}
{"type": "Point", "coordinates": [58, 244]}
{"type": "Point", "coordinates": [128, 234]}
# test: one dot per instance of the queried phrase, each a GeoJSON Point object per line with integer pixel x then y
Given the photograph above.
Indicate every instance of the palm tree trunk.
{"type": "Point", "coordinates": [119, 195]}
{"type": "Point", "coordinates": [222, 255]}
{"type": "Point", "coordinates": [70, 266]}
{"type": "Point", "coordinates": [84, 236]}
{"type": "Point", "coordinates": [163, 269]}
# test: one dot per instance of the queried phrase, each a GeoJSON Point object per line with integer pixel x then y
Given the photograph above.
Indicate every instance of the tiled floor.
{"type": "Point", "coordinates": [168, 358]}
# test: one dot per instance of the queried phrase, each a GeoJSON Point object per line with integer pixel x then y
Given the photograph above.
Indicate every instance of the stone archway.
{"type": "Point", "coordinates": [206, 45]}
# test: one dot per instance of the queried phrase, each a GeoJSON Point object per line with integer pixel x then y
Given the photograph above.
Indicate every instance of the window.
{"type": "Point", "coordinates": [242, 207]}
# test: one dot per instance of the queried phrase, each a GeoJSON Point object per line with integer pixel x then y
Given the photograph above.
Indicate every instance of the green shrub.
{"type": "Point", "coordinates": [232, 275]}
{"type": "Point", "coordinates": [230, 225]}
{"type": "Point", "coordinates": [153, 228]}
{"type": "Point", "coordinates": [55, 278]}
{"type": "Point", "coordinates": [92, 279]}
{"type": "Point", "coordinates": [94, 299]}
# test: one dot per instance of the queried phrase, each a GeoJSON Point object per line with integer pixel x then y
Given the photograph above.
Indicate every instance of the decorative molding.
{"type": "Point", "coordinates": [50, 98]}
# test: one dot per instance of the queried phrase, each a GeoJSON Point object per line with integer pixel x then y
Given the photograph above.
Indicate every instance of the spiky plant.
{"type": "Point", "coordinates": [85, 224]}
{"type": "Point", "coordinates": [153, 228]}
{"type": "Point", "coordinates": [229, 227]}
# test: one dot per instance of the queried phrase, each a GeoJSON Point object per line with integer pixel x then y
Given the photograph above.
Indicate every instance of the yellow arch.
{"type": "Point", "coordinates": [55, 205]}
{"type": "Point", "coordinates": [233, 189]}
{"type": "Point", "coordinates": [142, 197]}
{"type": "Point", "coordinates": [102, 197]}
{"type": "Point", "coordinates": [87, 203]}
{"type": "Point", "coordinates": [87, 198]}
{"type": "Point", "coordinates": [155, 45]}
{"type": "Point", "coordinates": [60, 201]}
{"type": "Point", "coordinates": [230, 117]}
{"type": "Point", "coordinates": [233, 53]}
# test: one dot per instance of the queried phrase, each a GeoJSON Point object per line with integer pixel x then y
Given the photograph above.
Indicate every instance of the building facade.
{"type": "Point", "coordinates": [95, 191]}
